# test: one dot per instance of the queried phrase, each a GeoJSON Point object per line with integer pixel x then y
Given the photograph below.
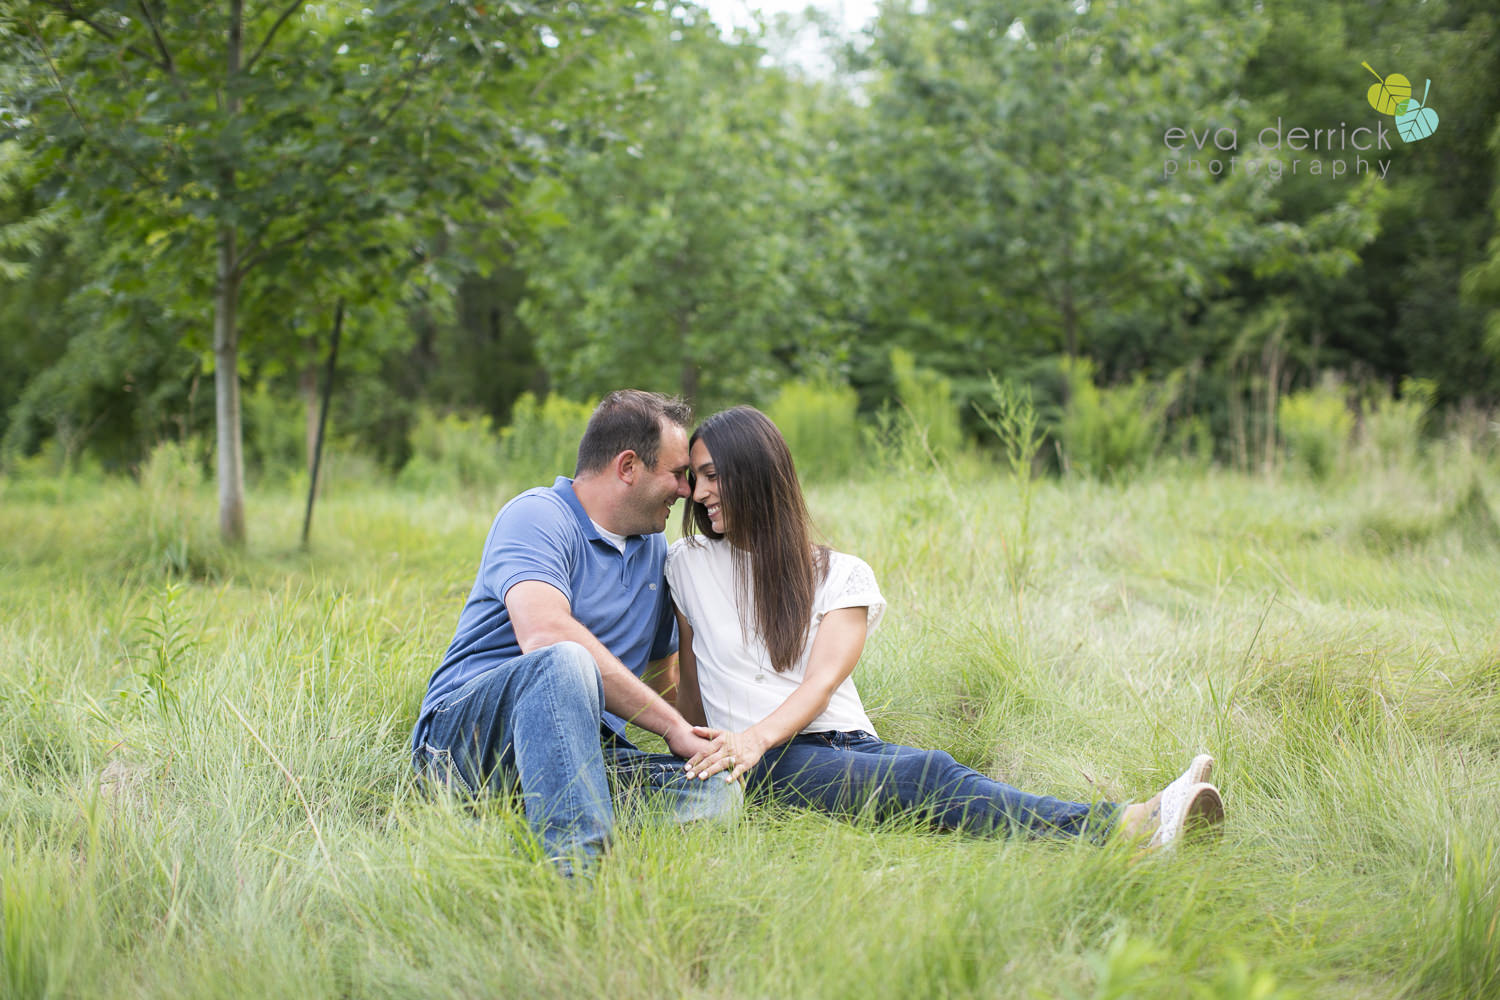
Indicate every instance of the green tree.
{"type": "Point", "coordinates": [1399, 309]}
{"type": "Point", "coordinates": [307, 151]}
{"type": "Point", "coordinates": [707, 252]}
{"type": "Point", "coordinates": [1022, 194]}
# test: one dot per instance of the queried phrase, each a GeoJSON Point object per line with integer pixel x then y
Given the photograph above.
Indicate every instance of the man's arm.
{"type": "Point", "coordinates": [542, 617]}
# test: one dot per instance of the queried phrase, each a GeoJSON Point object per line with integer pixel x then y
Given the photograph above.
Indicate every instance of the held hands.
{"type": "Point", "coordinates": [687, 742]}
{"type": "Point", "coordinates": [731, 753]}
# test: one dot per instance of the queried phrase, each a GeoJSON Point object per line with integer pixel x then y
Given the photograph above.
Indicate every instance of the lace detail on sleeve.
{"type": "Point", "coordinates": [852, 585]}
{"type": "Point", "coordinates": [861, 580]}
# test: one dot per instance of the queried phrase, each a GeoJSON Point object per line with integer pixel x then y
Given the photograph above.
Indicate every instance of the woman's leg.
{"type": "Point", "coordinates": [856, 773]}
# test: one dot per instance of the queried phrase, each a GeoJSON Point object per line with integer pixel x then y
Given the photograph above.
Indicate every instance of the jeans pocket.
{"type": "Point", "coordinates": [436, 768]}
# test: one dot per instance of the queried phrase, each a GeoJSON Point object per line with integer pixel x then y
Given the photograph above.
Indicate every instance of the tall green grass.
{"type": "Point", "coordinates": [204, 785]}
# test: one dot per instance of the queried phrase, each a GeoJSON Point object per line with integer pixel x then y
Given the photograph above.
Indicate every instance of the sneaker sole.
{"type": "Point", "coordinates": [1204, 813]}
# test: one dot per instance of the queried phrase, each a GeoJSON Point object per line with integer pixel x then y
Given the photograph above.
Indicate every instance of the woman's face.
{"type": "Point", "coordinates": [706, 485]}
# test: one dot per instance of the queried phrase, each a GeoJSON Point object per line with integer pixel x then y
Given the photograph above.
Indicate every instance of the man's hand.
{"type": "Point", "coordinates": [685, 742]}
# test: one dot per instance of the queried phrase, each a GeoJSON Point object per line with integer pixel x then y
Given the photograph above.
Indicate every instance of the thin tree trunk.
{"type": "Point", "coordinates": [307, 388]}
{"type": "Point", "coordinates": [689, 373]}
{"type": "Point", "coordinates": [1070, 324]}
{"type": "Point", "coordinates": [1272, 357]}
{"type": "Point", "coordinates": [317, 453]}
{"type": "Point", "coordinates": [231, 460]}
{"type": "Point", "coordinates": [231, 463]}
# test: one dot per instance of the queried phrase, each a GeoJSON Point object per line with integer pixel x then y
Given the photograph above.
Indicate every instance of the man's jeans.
{"type": "Point", "coordinates": [855, 773]}
{"type": "Point", "coordinates": [533, 725]}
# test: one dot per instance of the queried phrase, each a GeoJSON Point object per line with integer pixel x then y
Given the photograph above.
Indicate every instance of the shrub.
{"type": "Point", "coordinates": [1113, 432]}
{"type": "Point", "coordinates": [927, 401]}
{"type": "Point", "coordinates": [1192, 443]}
{"type": "Point", "coordinates": [451, 452]}
{"type": "Point", "coordinates": [541, 442]}
{"type": "Point", "coordinates": [1315, 425]}
{"type": "Point", "coordinates": [1393, 427]}
{"type": "Point", "coordinates": [921, 429]}
{"type": "Point", "coordinates": [275, 431]}
{"type": "Point", "coordinates": [820, 423]}
{"type": "Point", "coordinates": [172, 531]}
{"type": "Point", "coordinates": [50, 476]}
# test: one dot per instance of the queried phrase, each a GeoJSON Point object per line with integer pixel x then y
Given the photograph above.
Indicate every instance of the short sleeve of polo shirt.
{"type": "Point", "coordinates": [534, 538]}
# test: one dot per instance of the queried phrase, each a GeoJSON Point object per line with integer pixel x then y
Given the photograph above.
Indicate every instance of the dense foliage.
{"type": "Point", "coordinates": [569, 197]}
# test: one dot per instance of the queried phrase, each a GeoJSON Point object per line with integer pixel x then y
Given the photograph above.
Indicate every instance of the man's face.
{"type": "Point", "coordinates": [657, 489]}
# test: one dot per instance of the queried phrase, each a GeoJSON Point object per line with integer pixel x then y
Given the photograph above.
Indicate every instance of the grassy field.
{"type": "Point", "coordinates": [204, 788]}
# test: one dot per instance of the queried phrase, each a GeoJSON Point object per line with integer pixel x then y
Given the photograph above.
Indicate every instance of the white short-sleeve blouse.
{"type": "Point", "coordinates": [736, 681]}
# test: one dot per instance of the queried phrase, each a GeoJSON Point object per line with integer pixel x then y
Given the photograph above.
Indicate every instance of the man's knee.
{"type": "Point", "coordinates": [568, 669]}
{"type": "Point", "coordinates": [571, 656]}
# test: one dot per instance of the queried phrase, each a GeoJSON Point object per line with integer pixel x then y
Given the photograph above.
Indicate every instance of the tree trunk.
{"type": "Point", "coordinates": [1069, 324]}
{"type": "Point", "coordinates": [231, 460]}
{"type": "Point", "coordinates": [689, 372]}
{"type": "Point", "coordinates": [1273, 358]}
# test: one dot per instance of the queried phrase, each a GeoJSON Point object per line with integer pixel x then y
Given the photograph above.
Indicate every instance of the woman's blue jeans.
{"type": "Point", "coordinates": [533, 725]}
{"type": "Point", "coordinates": [857, 774]}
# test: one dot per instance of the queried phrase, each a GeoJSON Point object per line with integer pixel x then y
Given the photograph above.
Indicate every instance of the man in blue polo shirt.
{"type": "Point", "coordinates": [569, 612]}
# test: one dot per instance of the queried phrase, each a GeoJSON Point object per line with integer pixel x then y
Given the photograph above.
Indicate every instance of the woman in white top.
{"type": "Point", "coordinates": [771, 627]}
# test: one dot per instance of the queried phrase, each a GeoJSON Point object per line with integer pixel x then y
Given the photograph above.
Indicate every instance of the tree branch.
{"type": "Point", "coordinates": [161, 45]}
{"type": "Point", "coordinates": [73, 13]}
{"type": "Point", "coordinates": [561, 65]}
{"type": "Point", "coordinates": [83, 125]}
{"type": "Point", "coordinates": [62, 87]}
{"type": "Point", "coordinates": [264, 42]}
{"type": "Point", "coordinates": [254, 250]}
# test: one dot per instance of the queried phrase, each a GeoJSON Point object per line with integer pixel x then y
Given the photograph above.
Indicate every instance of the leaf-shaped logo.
{"type": "Point", "coordinates": [1415, 121]}
{"type": "Point", "coordinates": [1387, 95]}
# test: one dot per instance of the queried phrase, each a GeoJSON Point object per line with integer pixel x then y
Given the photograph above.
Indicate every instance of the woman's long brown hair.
{"type": "Point", "coordinates": [769, 527]}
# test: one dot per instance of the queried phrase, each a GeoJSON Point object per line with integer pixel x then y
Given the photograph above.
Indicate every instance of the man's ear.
{"type": "Point", "coordinates": [627, 467]}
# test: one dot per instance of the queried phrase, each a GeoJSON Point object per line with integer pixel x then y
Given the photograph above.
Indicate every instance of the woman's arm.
{"type": "Point", "coordinates": [836, 648]}
{"type": "Point", "coordinates": [689, 700]}
{"type": "Point", "coordinates": [661, 677]}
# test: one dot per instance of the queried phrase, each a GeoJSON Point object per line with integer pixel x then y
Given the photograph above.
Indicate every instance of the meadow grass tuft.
{"type": "Point", "coordinates": [205, 788]}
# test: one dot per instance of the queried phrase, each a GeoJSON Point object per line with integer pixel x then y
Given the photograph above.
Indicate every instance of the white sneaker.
{"type": "Point", "coordinates": [1201, 769]}
{"type": "Point", "coordinates": [1144, 818]}
{"type": "Point", "coordinates": [1197, 773]}
{"type": "Point", "coordinates": [1184, 805]}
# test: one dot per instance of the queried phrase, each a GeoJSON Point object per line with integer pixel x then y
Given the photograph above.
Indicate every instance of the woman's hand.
{"type": "Point", "coordinates": [734, 753]}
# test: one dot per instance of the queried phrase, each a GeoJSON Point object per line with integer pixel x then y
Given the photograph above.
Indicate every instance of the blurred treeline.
{"type": "Point", "coordinates": [565, 198]}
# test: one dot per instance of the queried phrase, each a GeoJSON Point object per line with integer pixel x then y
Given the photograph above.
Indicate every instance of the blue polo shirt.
{"type": "Point", "coordinates": [544, 534]}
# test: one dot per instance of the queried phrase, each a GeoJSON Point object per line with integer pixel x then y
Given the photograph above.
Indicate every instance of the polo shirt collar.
{"type": "Point", "coordinates": [563, 487]}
